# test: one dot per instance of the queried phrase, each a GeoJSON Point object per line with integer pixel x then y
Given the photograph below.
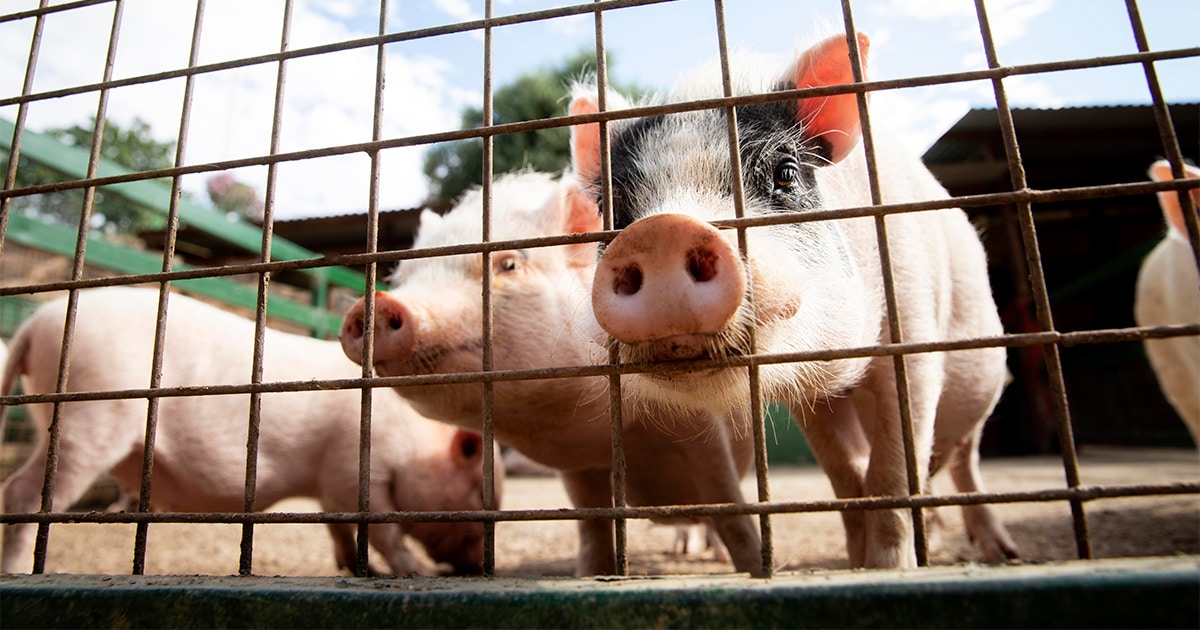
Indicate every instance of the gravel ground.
{"type": "Point", "coordinates": [1150, 526]}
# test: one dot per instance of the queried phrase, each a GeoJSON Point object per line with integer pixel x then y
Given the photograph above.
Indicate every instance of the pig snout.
{"type": "Point", "coordinates": [394, 334]}
{"type": "Point", "coordinates": [668, 277]}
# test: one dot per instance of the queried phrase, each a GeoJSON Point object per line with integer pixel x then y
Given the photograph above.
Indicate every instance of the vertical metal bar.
{"type": "Point", "coordinates": [89, 196]}
{"type": "Point", "coordinates": [245, 564]}
{"type": "Point", "coordinates": [895, 331]}
{"type": "Point", "coordinates": [160, 331]}
{"type": "Point", "coordinates": [362, 563]}
{"type": "Point", "coordinates": [1166, 129]}
{"type": "Point", "coordinates": [615, 405]}
{"type": "Point", "coordinates": [14, 153]}
{"type": "Point", "coordinates": [489, 490]}
{"type": "Point", "coordinates": [1041, 298]}
{"type": "Point", "coordinates": [739, 205]}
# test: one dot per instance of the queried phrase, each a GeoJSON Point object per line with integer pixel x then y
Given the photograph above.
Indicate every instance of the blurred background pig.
{"type": "Point", "coordinates": [430, 323]}
{"type": "Point", "coordinates": [673, 287]}
{"type": "Point", "coordinates": [308, 444]}
{"type": "Point", "coordinates": [1168, 292]}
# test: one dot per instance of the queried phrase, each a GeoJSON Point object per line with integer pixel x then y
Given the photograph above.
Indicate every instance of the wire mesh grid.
{"type": "Point", "coordinates": [1021, 197]}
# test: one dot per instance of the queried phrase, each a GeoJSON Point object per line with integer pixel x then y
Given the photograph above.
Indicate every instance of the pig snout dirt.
{"type": "Point", "coordinates": [667, 275]}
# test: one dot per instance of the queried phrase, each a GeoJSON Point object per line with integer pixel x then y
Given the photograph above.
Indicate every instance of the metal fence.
{"type": "Point", "coordinates": [1049, 339]}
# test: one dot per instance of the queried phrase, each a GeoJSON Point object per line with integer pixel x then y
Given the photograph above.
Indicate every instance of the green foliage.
{"type": "Point", "coordinates": [454, 167]}
{"type": "Point", "coordinates": [133, 147]}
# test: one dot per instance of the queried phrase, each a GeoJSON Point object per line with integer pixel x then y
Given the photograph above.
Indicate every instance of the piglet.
{"type": "Point", "coordinates": [1168, 292]}
{"type": "Point", "coordinates": [308, 444]}
{"type": "Point", "coordinates": [673, 287]}
{"type": "Point", "coordinates": [431, 322]}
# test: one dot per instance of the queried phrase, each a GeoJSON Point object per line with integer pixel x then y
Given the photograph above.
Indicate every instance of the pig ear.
{"type": "Point", "coordinates": [465, 448]}
{"type": "Point", "coordinates": [585, 141]}
{"type": "Point", "coordinates": [1169, 201]}
{"type": "Point", "coordinates": [580, 214]}
{"type": "Point", "coordinates": [833, 120]}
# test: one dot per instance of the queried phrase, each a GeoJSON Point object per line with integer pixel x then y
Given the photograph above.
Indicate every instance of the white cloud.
{"type": "Point", "coordinates": [329, 99]}
{"type": "Point", "coordinates": [1009, 19]}
{"type": "Point", "coordinates": [916, 118]}
{"type": "Point", "coordinates": [460, 10]}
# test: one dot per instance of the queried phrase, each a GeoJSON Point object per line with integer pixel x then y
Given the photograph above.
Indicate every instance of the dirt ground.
{"type": "Point", "coordinates": [1149, 526]}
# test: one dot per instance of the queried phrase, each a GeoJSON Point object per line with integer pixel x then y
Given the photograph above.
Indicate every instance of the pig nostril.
{"type": "Point", "coordinates": [627, 281]}
{"type": "Point", "coordinates": [395, 323]}
{"type": "Point", "coordinates": [355, 328]}
{"type": "Point", "coordinates": [702, 265]}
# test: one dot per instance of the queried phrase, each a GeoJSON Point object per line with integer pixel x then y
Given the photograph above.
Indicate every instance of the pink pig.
{"type": "Point", "coordinates": [308, 442]}
{"type": "Point", "coordinates": [673, 287]}
{"type": "Point", "coordinates": [431, 323]}
{"type": "Point", "coordinates": [1168, 292]}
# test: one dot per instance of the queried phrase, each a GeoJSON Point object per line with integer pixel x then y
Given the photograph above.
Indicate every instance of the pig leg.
{"type": "Point", "coordinates": [82, 458]}
{"type": "Point", "coordinates": [597, 544]}
{"type": "Point", "coordinates": [345, 548]}
{"type": "Point", "coordinates": [718, 480]}
{"type": "Point", "coordinates": [837, 439]}
{"type": "Point", "coordinates": [889, 533]}
{"type": "Point", "coordinates": [984, 528]}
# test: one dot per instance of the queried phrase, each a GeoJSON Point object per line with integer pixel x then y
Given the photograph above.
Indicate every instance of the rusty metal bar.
{"type": "Point", "coordinates": [362, 564]}
{"type": "Point", "coordinates": [1026, 195]}
{"type": "Point", "coordinates": [1014, 340]}
{"type": "Point", "coordinates": [637, 112]}
{"type": "Point", "coordinates": [913, 471]}
{"type": "Point", "coordinates": [364, 42]}
{"type": "Point", "coordinates": [89, 195]}
{"type": "Point", "coordinates": [1041, 297]}
{"type": "Point", "coordinates": [160, 329]}
{"type": "Point", "coordinates": [615, 399]}
{"type": "Point", "coordinates": [14, 154]}
{"type": "Point", "coordinates": [246, 561]}
{"type": "Point", "coordinates": [488, 332]}
{"type": "Point", "coordinates": [757, 425]}
{"type": "Point", "coordinates": [1079, 493]}
{"type": "Point", "coordinates": [1166, 129]}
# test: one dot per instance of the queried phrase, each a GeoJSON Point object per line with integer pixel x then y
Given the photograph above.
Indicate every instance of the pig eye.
{"type": "Point", "coordinates": [786, 174]}
{"type": "Point", "coordinates": [509, 263]}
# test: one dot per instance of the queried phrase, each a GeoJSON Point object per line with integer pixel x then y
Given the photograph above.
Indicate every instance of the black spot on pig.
{"type": "Point", "coordinates": [632, 141]}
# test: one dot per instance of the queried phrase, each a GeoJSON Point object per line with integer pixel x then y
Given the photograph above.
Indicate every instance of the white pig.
{"type": "Point", "coordinates": [308, 442]}
{"type": "Point", "coordinates": [1168, 292]}
{"type": "Point", "coordinates": [671, 286]}
{"type": "Point", "coordinates": [431, 323]}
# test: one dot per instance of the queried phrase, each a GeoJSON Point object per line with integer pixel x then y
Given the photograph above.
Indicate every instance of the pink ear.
{"type": "Point", "coordinates": [834, 119]}
{"type": "Point", "coordinates": [1169, 201]}
{"type": "Point", "coordinates": [582, 215]}
{"type": "Point", "coordinates": [585, 141]}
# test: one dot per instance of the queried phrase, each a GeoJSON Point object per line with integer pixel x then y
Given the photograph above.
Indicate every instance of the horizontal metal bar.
{"type": "Point", "coordinates": [352, 260]}
{"type": "Point", "coordinates": [1015, 340]}
{"type": "Point", "coordinates": [1080, 493]}
{"type": "Point", "coordinates": [563, 121]}
{"type": "Point", "coordinates": [350, 44]}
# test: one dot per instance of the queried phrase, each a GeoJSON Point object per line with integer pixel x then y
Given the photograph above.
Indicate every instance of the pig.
{"type": "Point", "coordinates": [308, 443]}
{"type": "Point", "coordinates": [430, 322]}
{"type": "Point", "coordinates": [1168, 292]}
{"type": "Point", "coordinates": [673, 287]}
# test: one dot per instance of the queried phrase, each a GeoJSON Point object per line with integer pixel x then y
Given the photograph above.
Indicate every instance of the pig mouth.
{"type": "Point", "coordinates": [685, 349]}
{"type": "Point", "coordinates": [466, 357]}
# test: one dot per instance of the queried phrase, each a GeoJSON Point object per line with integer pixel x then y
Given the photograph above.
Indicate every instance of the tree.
{"type": "Point", "coordinates": [234, 198]}
{"type": "Point", "coordinates": [456, 166]}
{"type": "Point", "coordinates": [133, 147]}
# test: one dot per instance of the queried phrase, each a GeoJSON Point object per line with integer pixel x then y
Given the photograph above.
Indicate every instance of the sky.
{"type": "Point", "coordinates": [329, 98]}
